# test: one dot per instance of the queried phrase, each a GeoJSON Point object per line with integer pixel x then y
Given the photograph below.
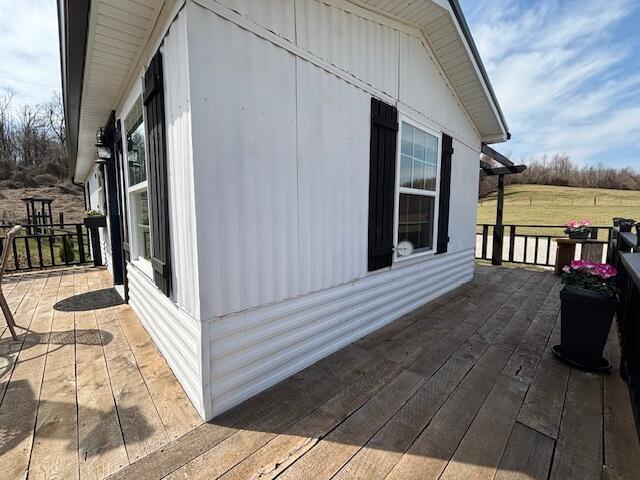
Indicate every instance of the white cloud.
{"type": "Point", "coordinates": [563, 77]}
{"type": "Point", "coordinates": [29, 52]}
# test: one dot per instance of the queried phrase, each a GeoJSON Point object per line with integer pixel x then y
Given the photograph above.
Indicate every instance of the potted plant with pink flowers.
{"type": "Point", "coordinates": [588, 303]}
{"type": "Point", "coordinates": [578, 229]}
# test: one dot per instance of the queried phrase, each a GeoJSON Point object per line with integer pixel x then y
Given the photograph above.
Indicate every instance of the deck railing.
{"type": "Point", "coordinates": [625, 256]}
{"type": "Point", "coordinates": [46, 246]}
{"type": "Point", "coordinates": [534, 244]}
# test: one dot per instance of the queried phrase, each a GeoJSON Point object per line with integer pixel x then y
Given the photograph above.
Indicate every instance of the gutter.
{"type": "Point", "coordinates": [73, 26]}
{"type": "Point", "coordinates": [457, 11]}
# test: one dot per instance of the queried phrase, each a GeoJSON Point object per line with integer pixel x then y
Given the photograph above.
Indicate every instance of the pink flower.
{"type": "Point", "coordinates": [601, 270]}
{"type": "Point", "coordinates": [578, 264]}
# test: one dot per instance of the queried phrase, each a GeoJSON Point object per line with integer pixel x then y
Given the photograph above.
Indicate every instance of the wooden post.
{"type": "Point", "coordinates": [80, 240]}
{"type": "Point", "coordinates": [95, 246]}
{"type": "Point", "coordinates": [498, 230]}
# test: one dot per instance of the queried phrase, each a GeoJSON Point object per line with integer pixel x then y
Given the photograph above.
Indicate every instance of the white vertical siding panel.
{"type": "Point", "coordinates": [96, 201]}
{"type": "Point", "coordinates": [244, 130]}
{"type": "Point", "coordinates": [180, 167]}
{"type": "Point", "coordinates": [274, 15]}
{"type": "Point", "coordinates": [464, 197]}
{"type": "Point", "coordinates": [425, 90]}
{"type": "Point", "coordinates": [361, 47]}
{"type": "Point", "coordinates": [333, 162]}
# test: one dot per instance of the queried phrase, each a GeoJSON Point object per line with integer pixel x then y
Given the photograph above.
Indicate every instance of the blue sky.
{"type": "Point", "coordinates": [29, 56]}
{"type": "Point", "coordinates": [567, 73]}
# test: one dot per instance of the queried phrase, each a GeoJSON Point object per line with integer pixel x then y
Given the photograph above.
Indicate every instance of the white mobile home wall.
{"type": "Point", "coordinates": [280, 121]}
{"type": "Point", "coordinates": [267, 110]}
{"type": "Point", "coordinates": [96, 200]}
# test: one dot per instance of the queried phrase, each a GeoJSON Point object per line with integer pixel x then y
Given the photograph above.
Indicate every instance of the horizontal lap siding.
{"type": "Point", "coordinates": [173, 331]}
{"type": "Point", "coordinates": [252, 350]}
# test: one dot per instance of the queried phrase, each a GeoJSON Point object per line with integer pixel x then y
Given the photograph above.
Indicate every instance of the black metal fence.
{"type": "Point", "coordinates": [44, 246]}
{"type": "Point", "coordinates": [533, 244]}
{"type": "Point", "coordinates": [625, 257]}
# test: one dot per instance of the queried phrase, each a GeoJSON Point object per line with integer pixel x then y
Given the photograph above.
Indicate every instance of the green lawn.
{"type": "Point", "coordinates": [548, 205]}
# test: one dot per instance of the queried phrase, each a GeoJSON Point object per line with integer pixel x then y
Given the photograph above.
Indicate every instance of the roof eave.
{"type": "Point", "coordinates": [457, 11]}
{"type": "Point", "coordinates": [73, 24]}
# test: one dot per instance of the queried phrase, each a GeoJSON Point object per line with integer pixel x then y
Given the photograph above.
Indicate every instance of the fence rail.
{"type": "Point", "coordinates": [46, 246]}
{"type": "Point", "coordinates": [625, 257]}
{"type": "Point", "coordinates": [533, 244]}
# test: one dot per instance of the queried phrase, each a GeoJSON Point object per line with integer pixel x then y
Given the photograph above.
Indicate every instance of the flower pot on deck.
{"type": "Point", "coordinates": [578, 235]}
{"type": "Point", "coordinates": [95, 221]}
{"type": "Point", "coordinates": [586, 318]}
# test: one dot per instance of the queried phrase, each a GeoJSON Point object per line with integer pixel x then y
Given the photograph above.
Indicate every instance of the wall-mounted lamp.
{"type": "Point", "coordinates": [102, 148]}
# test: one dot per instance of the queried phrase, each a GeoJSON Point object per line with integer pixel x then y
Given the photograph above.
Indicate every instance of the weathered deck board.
{"type": "Point", "coordinates": [579, 451]}
{"type": "Point", "coordinates": [542, 408]}
{"type": "Point", "coordinates": [176, 412]}
{"type": "Point", "coordinates": [527, 457]}
{"type": "Point", "coordinates": [440, 393]}
{"type": "Point", "coordinates": [19, 408]}
{"type": "Point", "coordinates": [55, 448]}
{"type": "Point", "coordinates": [622, 450]}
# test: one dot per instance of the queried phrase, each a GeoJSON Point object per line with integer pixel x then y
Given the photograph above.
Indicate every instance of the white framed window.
{"type": "Point", "coordinates": [136, 175]}
{"type": "Point", "coordinates": [417, 185]}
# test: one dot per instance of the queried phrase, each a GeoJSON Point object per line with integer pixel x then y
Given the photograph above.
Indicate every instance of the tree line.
{"type": "Point", "coordinates": [32, 142]}
{"type": "Point", "coordinates": [562, 171]}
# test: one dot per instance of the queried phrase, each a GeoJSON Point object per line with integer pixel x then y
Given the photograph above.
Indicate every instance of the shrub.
{"type": "Point", "coordinates": [45, 180]}
{"type": "Point", "coordinates": [65, 251]}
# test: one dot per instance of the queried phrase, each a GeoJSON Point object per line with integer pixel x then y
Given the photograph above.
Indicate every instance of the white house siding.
{"type": "Point", "coordinates": [281, 167]}
{"type": "Point", "coordinates": [253, 350]}
{"type": "Point", "coordinates": [97, 201]}
{"type": "Point", "coordinates": [333, 178]}
{"type": "Point", "coordinates": [366, 49]}
{"type": "Point", "coordinates": [173, 323]}
{"type": "Point", "coordinates": [275, 15]}
{"type": "Point", "coordinates": [176, 334]}
{"type": "Point", "coordinates": [244, 133]}
{"type": "Point", "coordinates": [464, 197]}
{"type": "Point", "coordinates": [184, 252]}
{"type": "Point", "coordinates": [423, 88]}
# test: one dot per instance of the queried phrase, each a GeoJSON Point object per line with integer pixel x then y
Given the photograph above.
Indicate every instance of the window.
{"type": "Point", "coordinates": [137, 182]}
{"type": "Point", "coordinates": [417, 190]}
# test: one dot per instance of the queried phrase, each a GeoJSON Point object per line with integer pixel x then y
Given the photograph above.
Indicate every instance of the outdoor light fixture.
{"type": "Point", "coordinates": [103, 150]}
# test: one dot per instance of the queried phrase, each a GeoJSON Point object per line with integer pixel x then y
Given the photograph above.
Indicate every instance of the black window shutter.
{"type": "Point", "coordinates": [445, 193]}
{"type": "Point", "coordinates": [382, 179]}
{"type": "Point", "coordinates": [157, 181]}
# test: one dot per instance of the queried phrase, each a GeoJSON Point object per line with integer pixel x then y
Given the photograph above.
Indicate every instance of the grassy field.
{"type": "Point", "coordinates": [548, 205]}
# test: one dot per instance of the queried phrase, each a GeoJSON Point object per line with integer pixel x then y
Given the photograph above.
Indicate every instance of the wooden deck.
{"type": "Point", "coordinates": [463, 388]}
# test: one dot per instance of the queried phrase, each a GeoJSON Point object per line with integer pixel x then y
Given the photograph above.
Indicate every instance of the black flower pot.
{"type": "Point", "coordinates": [578, 235]}
{"type": "Point", "coordinates": [586, 318]}
{"type": "Point", "coordinates": [95, 221]}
